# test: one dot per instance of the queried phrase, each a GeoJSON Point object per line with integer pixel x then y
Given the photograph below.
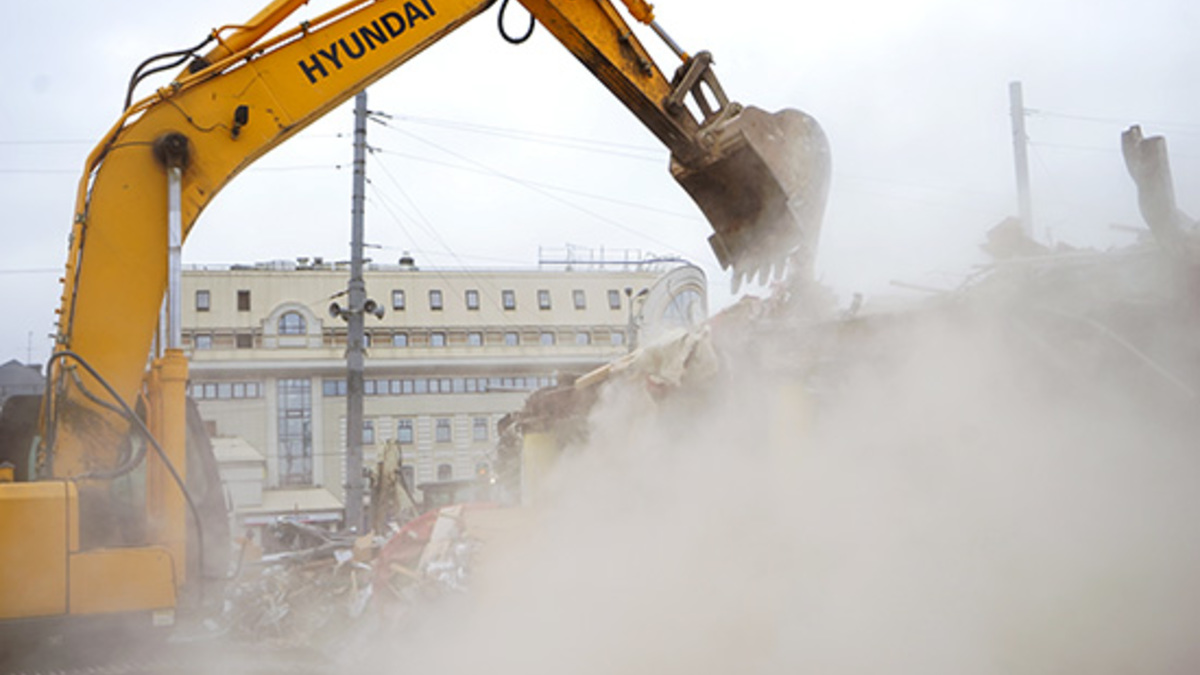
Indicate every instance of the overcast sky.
{"type": "Point", "coordinates": [494, 151]}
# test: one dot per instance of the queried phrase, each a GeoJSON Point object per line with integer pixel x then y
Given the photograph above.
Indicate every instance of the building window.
{"type": "Point", "coordinates": [333, 388]}
{"type": "Point", "coordinates": [582, 338]}
{"type": "Point", "coordinates": [295, 432]}
{"type": "Point", "coordinates": [292, 323]}
{"type": "Point", "coordinates": [482, 470]}
{"type": "Point", "coordinates": [445, 472]}
{"type": "Point", "coordinates": [580, 298]}
{"type": "Point", "coordinates": [509, 298]}
{"type": "Point", "coordinates": [442, 430]}
{"type": "Point", "coordinates": [543, 299]}
{"type": "Point", "coordinates": [400, 339]}
{"type": "Point", "coordinates": [224, 390]}
{"type": "Point", "coordinates": [614, 299]}
{"type": "Point", "coordinates": [203, 301]}
{"type": "Point", "coordinates": [435, 300]}
{"type": "Point", "coordinates": [685, 309]}
{"type": "Point", "coordinates": [408, 476]}
{"type": "Point", "coordinates": [479, 428]}
{"type": "Point", "coordinates": [404, 431]}
{"type": "Point", "coordinates": [546, 338]}
{"type": "Point", "coordinates": [244, 340]}
{"type": "Point", "coordinates": [243, 301]}
{"type": "Point", "coordinates": [475, 339]}
{"type": "Point", "coordinates": [397, 299]}
{"type": "Point", "coordinates": [616, 338]}
{"type": "Point", "coordinates": [202, 341]}
{"type": "Point", "coordinates": [472, 299]}
{"type": "Point", "coordinates": [437, 339]}
{"type": "Point", "coordinates": [368, 434]}
{"type": "Point", "coordinates": [512, 338]}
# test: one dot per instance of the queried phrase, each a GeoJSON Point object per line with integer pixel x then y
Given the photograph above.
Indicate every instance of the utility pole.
{"type": "Point", "coordinates": [355, 351]}
{"type": "Point", "coordinates": [1016, 102]}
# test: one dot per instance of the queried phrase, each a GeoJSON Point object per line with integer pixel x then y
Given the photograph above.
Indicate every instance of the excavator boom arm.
{"type": "Point", "coordinates": [252, 92]}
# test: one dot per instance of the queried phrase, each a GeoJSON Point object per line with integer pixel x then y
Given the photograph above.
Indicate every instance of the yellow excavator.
{"type": "Point", "coordinates": [106, 515]}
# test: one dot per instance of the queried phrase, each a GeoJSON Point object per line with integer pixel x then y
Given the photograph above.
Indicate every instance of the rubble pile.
{"type": "Point", "coordinates": [329, 586]}
{"type": "Point", "coordinates": [993, 478]}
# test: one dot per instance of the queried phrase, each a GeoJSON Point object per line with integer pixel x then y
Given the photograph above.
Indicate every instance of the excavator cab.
{"type": "Point", "coordinates": [760, 178]}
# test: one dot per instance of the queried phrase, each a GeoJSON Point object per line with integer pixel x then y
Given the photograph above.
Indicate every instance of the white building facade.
{"type": "Point", "coordinates": [454, 351]}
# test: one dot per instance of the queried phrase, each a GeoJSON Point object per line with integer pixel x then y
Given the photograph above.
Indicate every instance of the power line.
{"type": "Point", "coordinates": [638, 152]}
{"type": "Point", "coordinates": [428, 226]}
{"type": "Point", "coordinates": [81, 141]}
{"type": "Point", "coordinates": [298, 167]}
{"type": "Point", "coordinates": [548, 186]}
{"type": "Point", "coordinates": [47, 141]}
{"type": "Point", "coordinates": [1065, 146]}
{"type": "Point", "coordinates": [1096, 148]}
{"type": "Point", "coordinates": [33, 270]}
{"type": "Point", "coordinates": [535, 188]}
{"type": "Point", "coordinates": [1109, 120]}
{"type": "Point", "coordinates": [920, 186]}
{"type": "Point", "coordinates": [252, 169]}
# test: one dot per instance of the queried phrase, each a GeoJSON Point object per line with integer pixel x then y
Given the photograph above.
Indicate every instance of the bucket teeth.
{"type": "Point", "coordinates": [762, 187]}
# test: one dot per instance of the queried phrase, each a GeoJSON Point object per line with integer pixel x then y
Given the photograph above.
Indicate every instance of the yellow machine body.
{"type": "Point", "coordinates": [227, 109]}
{"type": "Point", "coordinates": [46, 574]}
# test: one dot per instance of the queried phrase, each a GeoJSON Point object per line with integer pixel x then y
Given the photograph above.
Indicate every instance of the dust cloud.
{"type": "Point", "coordinates": [950, 490]}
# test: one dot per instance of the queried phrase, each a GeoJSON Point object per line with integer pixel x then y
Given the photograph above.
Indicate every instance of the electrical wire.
{"type": "Point", "coordinates": [492, 293]}
{"type": "Point", "coordinates": [548, 186]}
{"type": "Point", "coordinates": [534, 188]}
{"type": "Point", "coordinates": [1037, 112]}
{"type": "Point", "coordinates": [628, 150]}
{"type": "Point", "coordinates": [451, 285]}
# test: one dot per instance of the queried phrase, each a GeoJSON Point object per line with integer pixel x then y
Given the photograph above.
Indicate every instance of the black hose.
{"type": "Point", "coordinates": [504, 34]}
{"type": "Point", "coordinates": [138, 75]}
{"type": "Point", "coordinates": [128, 462]}
{"type": "Point", "coordinates": [141, 427]}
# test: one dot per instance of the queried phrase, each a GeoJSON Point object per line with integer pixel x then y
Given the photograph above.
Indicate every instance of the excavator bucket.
{"type": "Point", "coordinates": [762, 186]}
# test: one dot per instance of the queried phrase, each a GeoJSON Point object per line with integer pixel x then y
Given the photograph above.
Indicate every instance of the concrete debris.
{"type": "Point", "coordinates": [1123, 320]}
{"type": "Point", "coordinates": [315, 595]}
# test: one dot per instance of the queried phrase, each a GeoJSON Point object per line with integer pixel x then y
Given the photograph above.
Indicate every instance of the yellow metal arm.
{"type": "Point", "coordinates": [252, 93]}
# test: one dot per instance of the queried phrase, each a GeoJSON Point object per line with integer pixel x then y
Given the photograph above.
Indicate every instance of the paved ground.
{"type": "Point", "coordinates": [212, 657]}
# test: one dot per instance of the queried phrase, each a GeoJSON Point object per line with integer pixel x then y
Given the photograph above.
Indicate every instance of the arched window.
{"type": "Point", "coordinates": [685, 309]}
{"type": "Point", "coordinates": [292, 323]}
{"type": "Point", "coordinates": [445, 472]}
